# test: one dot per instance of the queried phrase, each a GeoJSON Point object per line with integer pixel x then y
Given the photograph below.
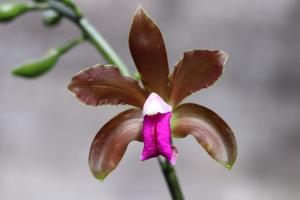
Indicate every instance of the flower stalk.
{"type": "Point", "coordinates": [171, 179]}
{"type": "Point", "coordinates": [91, 34]}
{"type": "Point", "coordinates": [103, 47]}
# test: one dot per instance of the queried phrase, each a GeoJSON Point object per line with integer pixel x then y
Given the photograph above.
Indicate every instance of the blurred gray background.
{"type": "Point", "coordinates": [45, 133]}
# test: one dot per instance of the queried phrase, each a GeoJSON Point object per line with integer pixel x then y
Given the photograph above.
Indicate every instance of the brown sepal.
{"type": "Point", "coordinates": [196, 70]}
{"type": "Point", "coordinates": [104, 84]}
{"type": "Point", "coordinates": [149, 53]}
{"type": "Point", "coordinates": [209, 129]}
{"type": "Point", "coordinates": [112, 140]}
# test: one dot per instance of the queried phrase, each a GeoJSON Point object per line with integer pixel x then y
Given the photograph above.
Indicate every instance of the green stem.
{"type": "Point", "coordinates": [102, 46]}
{"type": "Point", "coordinates": [70, 44]}
{"type": "Point", "coordinates": [95, 38]}
{"type": "Point", "coordinates": [64, 10]}
{"type": "Point", "coordinates": [171, 179]}
{"type": "Point", "coordinates": [38, 6]}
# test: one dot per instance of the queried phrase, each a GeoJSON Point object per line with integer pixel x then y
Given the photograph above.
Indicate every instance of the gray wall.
{"type": "Point", "coordinates": [45, 133]}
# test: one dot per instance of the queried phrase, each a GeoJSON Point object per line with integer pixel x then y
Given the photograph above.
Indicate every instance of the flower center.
{"type": "Point", "coordinates": [155, 104]}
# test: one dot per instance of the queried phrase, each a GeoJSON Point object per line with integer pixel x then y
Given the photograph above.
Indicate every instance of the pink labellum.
{"type": "Point", "coordinates": [157, 137]}
{"type": "Point", "coordinates": [156, 129]}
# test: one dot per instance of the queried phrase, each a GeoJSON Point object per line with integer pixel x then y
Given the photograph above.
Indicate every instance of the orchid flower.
{"type": "Point", "coordinates": [158, 115]}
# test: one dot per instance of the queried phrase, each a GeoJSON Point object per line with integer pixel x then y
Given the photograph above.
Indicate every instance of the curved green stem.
{"type": "Point", "coordinates": [102, 46]}
{"type": "Point", "coordinates": [38, 6]}
{"type": "Point", "coordinates": [171, 179]}
{"type": "Point", "coordinates": [70, 44]}
{"type": "Point", "coordinates": [95, 38]}
{"type": "Point", "coordinates": [64, 10]}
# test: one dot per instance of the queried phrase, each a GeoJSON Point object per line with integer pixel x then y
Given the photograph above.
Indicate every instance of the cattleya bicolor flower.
{"type": "Point", "coordinates": [158, 115]}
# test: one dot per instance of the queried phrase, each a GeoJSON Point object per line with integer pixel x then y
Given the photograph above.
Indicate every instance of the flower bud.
{"type": "Point", "coordinates": [51, 18]}
{"type": "Point", "coordinates": [9, 11]}
{"type": "Point", "coordinates": [38, 67]}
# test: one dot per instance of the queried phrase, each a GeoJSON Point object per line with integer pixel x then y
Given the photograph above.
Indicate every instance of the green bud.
{"type": "Point", "coordinates": [34, 68]}
{"type": "Point", "coordinates": [38, 67]}
{"type": "Point", "coordinates": [8, 11]}
{"type": "Point", "coordinates": [51, 18]}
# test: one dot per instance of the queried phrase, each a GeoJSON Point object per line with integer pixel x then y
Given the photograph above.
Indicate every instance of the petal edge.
{"type": "Point", "coordinates": [209, 130]}
{"type": "Point", "coordinates": [197, 69]}
{"type": "Point", "coordinates": [104, 84]}
{"type": "Point", "coordinates": [148, 51]}
{"type": "Point", "coordinates": [110, 143]}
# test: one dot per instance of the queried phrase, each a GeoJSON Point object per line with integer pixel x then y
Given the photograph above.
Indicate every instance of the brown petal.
{"type": "Point", "coordinates": [112, 140]}
{"type": "Point", "coordinates": [149, 53]}
{"type": "Point", "coordinates": [209, 130]}
{"type": "Point", "coordinates": [101, 84]}
{"type": "Point", "coordinates": [196, 70]}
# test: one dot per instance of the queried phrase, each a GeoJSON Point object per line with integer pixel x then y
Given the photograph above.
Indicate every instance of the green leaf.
{"type": "Point", "coordinates": [9, 11]}
{"type": "Point", "coordinates": [37, 67]}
